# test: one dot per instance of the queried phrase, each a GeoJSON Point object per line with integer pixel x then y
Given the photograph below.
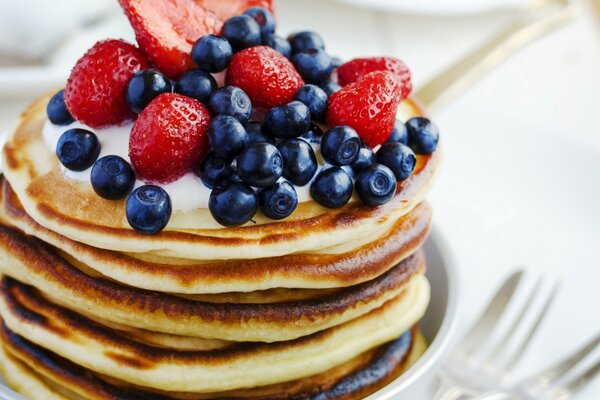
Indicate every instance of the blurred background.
{"type": "Point", "coordinates": [521, 180]}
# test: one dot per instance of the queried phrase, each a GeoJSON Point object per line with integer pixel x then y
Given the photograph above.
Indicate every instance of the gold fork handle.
{"type": "Point", "coordinates": [533, 22]}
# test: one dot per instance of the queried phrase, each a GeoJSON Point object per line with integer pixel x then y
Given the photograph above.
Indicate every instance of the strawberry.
{"type": "Point", "coordinates": [369, 106]}
{"type": "Point", "coordinates": [353, 70]}
{"type": "Point", "coordinates": [95, 92]}
{"type": "Point", "coordinates": [169, 137]}
{"type": "Point", "coordinates": [227, 9]}
{"type": "Point", "coordinates": [269, 79]}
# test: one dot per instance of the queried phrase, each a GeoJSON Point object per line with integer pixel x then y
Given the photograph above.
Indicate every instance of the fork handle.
{"type": "Point", "coordinates": [448, 390]}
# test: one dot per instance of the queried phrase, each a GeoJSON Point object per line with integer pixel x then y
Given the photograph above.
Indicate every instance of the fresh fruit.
{"type": "Point", "coordinates": [354, 70]}
{"type": "Point", "coordinates": [306, 40]}
{"type": "Point", "coordinates": [57, 110]}
{"type": "Point", "coordinates": [399, 133]}
{"type": "Point", "coordinates": [233, 204]}
{"type": "Point", "coordinates": [166, 31]}
{"type": "Point", "coordinates": [196, 84]}
{"type": "Point", "coordinates": [340, 145]}
{"type": "Point", "coordinates": [260, 164]}
{"type": "Point", "coordinates": [232, 101]}
{"type": "Point", "coordinates": [227, 136]}
{"type": "Point", "coordinates": [288, 121]}
{"type": "Point", "coordinates": [148, 209]}
{"type": "Point", "coordinates": [112, 177]}
{"type": "Point", "coordinates": [369, 106]}
{"type": "Point", "coordinates": [214, 171]}
{"type": "Point", "coordinates": [332, 188]}
{"type": "Point", "coordinates": [229, 8]}
{"type": "Point", "coordinates": [313, 65]}
{"type": "Point", "coordinates": [399, 158]}
{"type": "Point", "coordinates": [169, 137]}
{"type": "Point", "coordinates": [77, 149]}
{"type": "Point", "coordinates": [330, 88]}
{"type": "Point", "coordinates": [299, 161]}
{"type": "Point", "coordinates": [278, 201]}
{"type": "Point", "coordinates": [212, 53]}
{"type": "Point", "coordinates": [256, 133]}
{"type": "Point", "coordinates": [263, 18]}
{"type": "Point", "coordinates": [278, 43]}
{"type": "Point", "coordinates": [375, 185]}
{"type": "Point", "coordinates": [365, 158]}
{"type": "Point", "coordinates": [423, 135]}
{"type": "Point", "coordinates": [313, 134]}
{"type": "Point", "coordinates": [95, 92]}
{"type": "Point", "coordinates": [268, 78]}
{"type": "Point", "coordinates": [242, 31]}
{"type": "Point", "coordinates": [336, 61]}
{"type": "Point", "coordinates": [143, 87]}
{"type": "Point", "coordinates": [315, 99]}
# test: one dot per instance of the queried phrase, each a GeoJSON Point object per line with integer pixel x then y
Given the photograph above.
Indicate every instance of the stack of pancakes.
{"type": "Point", "coordinates": [321, 305]}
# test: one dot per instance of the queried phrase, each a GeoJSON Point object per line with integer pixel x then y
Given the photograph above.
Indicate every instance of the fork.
{"type": "Point", "coordinates": [473, 367]}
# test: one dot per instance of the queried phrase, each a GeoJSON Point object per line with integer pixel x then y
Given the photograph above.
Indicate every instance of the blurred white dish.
{"type": "Point", "coordinates": [434, 7]}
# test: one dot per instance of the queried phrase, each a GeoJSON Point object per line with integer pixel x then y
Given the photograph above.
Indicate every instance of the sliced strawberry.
{"type": "Point", "coordinates": [269, 79]}
{"type": "Point", "coordinates": [169, 138]}
{"type": "Point", "coordinates": [353, 70]}
{"type": "Point", "coordinates": [227, 9]}
{"type": "Point", "coordinates": [369, 106]}
{"type": "Point", "coordinates": [95, 92]}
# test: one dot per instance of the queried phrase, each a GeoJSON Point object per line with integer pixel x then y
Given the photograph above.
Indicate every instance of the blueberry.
{"type": "Point", "coordinates": [288, 121]}
{"type": "Point", "coordinates": [299, 161]}
{"type": "Point", "coordinates": [315, 99]}
{"type": "Point", "coordinates": [306, 40]}
{"type": "Point", "coordinates": [143, 87]}
{"type": "Point", "coordinates": [423, 135]}
{"type": "Point", "coordinates": [227, 136]}
{"type": "Point", "coordinates": [365, 158]}
{"type": "Point", "coordinates": [330, 87]}
{"type": "Point", "coordinates": [332, 188]}
{"type": "Point", "coordinates": [376, 185]}
{"type": "Point", "coordinates": [260, 164]}
{"type": "Point", "coordinates": [148, 209]}
{"type": "Point", "coordinates": [314, 65]}
{"type": "Point", "coordinates": [278, 43]}
{"type": "Point", "coordinates": [278, 201]}
{"type": "Point", "coordinates": [263, 18]}
{"type": "Point", "coordinates": [214, 171]}
{"type": "Point", "coordinates": [242, 31]}
{"type": "Point", "coordinates": [231, 100]}
{"type": "Point", "coordinates": [57, 110]}
{"type": "Point", "coordinates": [212, 53]}
{"type": "Point", "coordinates": [399, 158]}
{"type": "Point", "coordinates": [196, 84]}
{"type": "Point", "coordinates": [256, 133]}
{"type": "Point", "coordinates": [313, 134]}
{"type": "Point", "coordinates": [78, 149]}
{"type": "Point", "coordinates": [340, 145]}
{"type": "Point", "coordinates": [336, 61]}
{"type": "Point", "coordinates": [399, 133]}
{"type": "Point", "coordinates": [233, 204]}
{"type": "Point", "coordinates": [112, 177]}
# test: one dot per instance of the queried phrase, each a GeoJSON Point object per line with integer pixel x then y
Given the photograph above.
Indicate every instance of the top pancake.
{"type": "Point", "coordinates": [73, 209]}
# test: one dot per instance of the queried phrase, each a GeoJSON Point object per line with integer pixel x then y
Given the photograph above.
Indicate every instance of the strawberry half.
{"type": "Point", "coordinates": [267, 77]}
{"type": "Point", "coordinates": [229, 8]}
{"type": "Point", "coordinates": [354, 70]}
{"type": "Point", "coordinates": [369, 106]}
{"type": "Point", "coordinates": [169, 138]}
{"type": "Point", "coordinates": [95, 92]}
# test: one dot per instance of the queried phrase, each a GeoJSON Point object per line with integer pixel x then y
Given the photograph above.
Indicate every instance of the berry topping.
{"type": "Point", "coordinates": [314, 65]}
{"type": "Point", "coordinates": [399, 133]}
{"type": "Point", "coordinates": [57, 110]}
{"type": "Point", "coordinates": [340, 145]}
{"type": "Point", "coordinates": [399, 158]}
{"type": "Point", "coordinates": [212, 53]}
{"type": "Point", "coordinates": [263, 18]}
{"type": "Point", "coordinates": [148, 209]}
{"type": "Point", "coordinates": [227, 136]}
{"type": "Point", "coordinates": [169, 137]}
{"type": "Point", "coordinates": [354, 70]}
{"type": "Point", "coordinates": [330, 87]}
{"type": "Point", "coordinates": [233, 204]}
{"type": "Point", "coordinates": [266, 75]}
{"type": "Point", "coordinates": [242, 31]}
{"type": "Point", "coordinates": [112, 178]}
{"type": "Point", "coordinates": [332, 188]}
{"type": "Point", "coordinates": [260, 164]}
{"type": "Point", "coordinates": [423, 135]}
{"type": "Point", "coordinates": [95, 92]}
{"type": "Point", "coordinates": [313, 134]}
{"type": "Point", "coordinates": [375, 185]}
{"type": "Point", "coordinates": [232, 101]}
{"type": "Point", "coordinates": [78, 149]}
{"type": "Point", "coordinates": [214, 171]}
{"type": "Point", "coordinates": [365, 158]}
{"type": "Point", "coordinates": [143, 87]}
{"type": "Point", "coordinates": [336, 62]}
{"type": "Point", "coordinates": [196, 84]}
{"type": "Point", "coordinates": [306, 40]}
{"type": "Point", "coordinates": [369, 106]}
{"type": "Point", "coordinates": [299, 161]}
{"type": "Point", "coordinates": [315, 99]}
{"type": "Point", "coordinates": [166, 31]}
{"type": "Point", "coordinates": [256, 133]}
{"type": "Point", "coordinates": [288, 121]}
{"type": "Point", "coordinates": [278, 201]}
{"type": "Point", "coordinates": [278, 43]}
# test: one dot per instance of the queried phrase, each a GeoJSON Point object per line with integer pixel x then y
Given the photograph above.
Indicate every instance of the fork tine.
{"type": "Point", "coordinates": [586, 377]}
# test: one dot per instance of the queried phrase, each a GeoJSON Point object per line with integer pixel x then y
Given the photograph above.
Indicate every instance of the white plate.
{"type": "Point", "coordinates": [436, 7]}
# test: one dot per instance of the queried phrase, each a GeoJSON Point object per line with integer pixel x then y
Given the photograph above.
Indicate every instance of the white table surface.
{"type": "Point", "coordinates": [497, 220]}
